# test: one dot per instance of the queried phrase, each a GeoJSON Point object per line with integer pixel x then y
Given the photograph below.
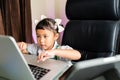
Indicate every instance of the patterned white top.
{"type": "Point", "coordinates": [34, 48]}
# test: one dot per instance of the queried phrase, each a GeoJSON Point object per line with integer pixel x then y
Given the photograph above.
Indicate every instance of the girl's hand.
{"type": "Point", "coordinates": [22, 46]}
{"type": "Point", "coordinates": [44, 55]}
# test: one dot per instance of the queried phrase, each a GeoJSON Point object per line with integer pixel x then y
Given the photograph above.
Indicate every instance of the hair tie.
{"type": "Point", "coordinates": [57, 24]}
{"type": "Point", "coordinates": [43, 17]}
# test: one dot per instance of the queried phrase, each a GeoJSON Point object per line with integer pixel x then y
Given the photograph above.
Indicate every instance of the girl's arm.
{"type": "Point", "coordinates": [70, 54]}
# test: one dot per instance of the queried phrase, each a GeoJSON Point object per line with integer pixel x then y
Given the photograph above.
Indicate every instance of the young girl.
{"type": "Point", "coordinates": [47, 31]}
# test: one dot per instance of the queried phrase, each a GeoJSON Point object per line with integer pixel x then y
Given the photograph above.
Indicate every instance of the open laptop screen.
{"type": "Point", "coordinates": [12, 62]}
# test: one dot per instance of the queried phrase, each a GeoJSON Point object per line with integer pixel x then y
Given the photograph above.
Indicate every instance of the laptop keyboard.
{"type": "Point", "coordinates": [38, 72]}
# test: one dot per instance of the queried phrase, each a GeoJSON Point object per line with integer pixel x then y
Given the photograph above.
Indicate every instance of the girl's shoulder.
{"type": "Point", "coordinates": [65, 47]}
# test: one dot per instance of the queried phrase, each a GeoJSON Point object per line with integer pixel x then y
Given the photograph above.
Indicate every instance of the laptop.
{"type": "Point", "coordinates": [16, 66]}
{"type": "Point", "coordinates": [95, 69]}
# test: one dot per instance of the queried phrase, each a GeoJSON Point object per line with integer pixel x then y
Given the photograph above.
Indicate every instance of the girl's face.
{"type": "Point", "coordinates": [46, 38]}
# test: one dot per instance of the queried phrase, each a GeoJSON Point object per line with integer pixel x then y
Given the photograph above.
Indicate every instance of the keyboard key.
{"type": "Point", "coordinates": [38, 72]}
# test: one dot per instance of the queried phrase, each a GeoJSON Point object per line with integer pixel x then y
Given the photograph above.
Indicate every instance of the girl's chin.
{"type": "Point", "coordinates": [44, 47]}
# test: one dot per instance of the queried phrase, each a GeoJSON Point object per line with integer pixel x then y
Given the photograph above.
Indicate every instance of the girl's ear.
{"type": "Point", "coordinates": [56, 36]}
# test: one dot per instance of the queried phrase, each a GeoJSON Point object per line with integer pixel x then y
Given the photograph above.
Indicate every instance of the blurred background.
{"type": "Point", "coordinates": [50, 8]}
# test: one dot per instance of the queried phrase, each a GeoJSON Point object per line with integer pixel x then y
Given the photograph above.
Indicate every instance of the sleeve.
{"type": "Point", "coordinates": [65, 47]}
{"type": "Point", "coordinates": [32, 49]}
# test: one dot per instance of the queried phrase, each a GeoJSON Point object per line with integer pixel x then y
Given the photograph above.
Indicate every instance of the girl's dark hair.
{"type": "Point", "coordinates": [47, 23]}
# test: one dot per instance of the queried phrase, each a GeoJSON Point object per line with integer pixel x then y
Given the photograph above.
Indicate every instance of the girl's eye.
{"type": "Point", "coordinates": [38, 36]}
{"type": "Point", "coordinates": [45, 36]}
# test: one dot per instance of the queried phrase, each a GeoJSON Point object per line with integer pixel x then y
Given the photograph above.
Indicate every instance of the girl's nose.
{"type": "Point", "coordinates": [42, 40]}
